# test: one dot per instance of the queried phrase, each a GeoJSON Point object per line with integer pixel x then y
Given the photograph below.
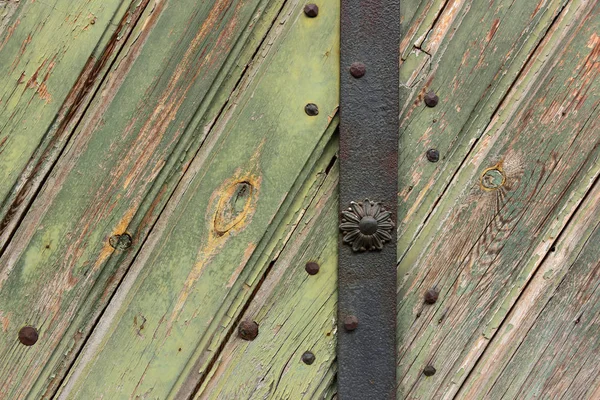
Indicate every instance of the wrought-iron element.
{"type": "Point", "coordinates": [369, 127]}
{"type": "Point", "coordinates": [366, 226]}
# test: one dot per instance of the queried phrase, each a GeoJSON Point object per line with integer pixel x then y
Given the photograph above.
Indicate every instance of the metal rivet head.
{"type": "Point", "coordinates": [28, 335]}
{"type": "Point", "coordinates": [311, 109]}
{"type": "Point", "coordinates": [429, 370]}
{"type": "Point", "coordinates": [312, 268]}
{"type": "Point", "coordinates": [431, 99]}
{"type": "Point", "coordinates": [308, 358]}
{"type": "Point", "coordinates": [120, 242]}
{"type": "Point", "coordinates": [248, 330]}
{"type": "Point", "coordinates": [358, 69]}
{"type": "Point", "coordinates": [311, 10]}
{"type": "Point", "coordinates": [431, 296]}
{"type": "Point", "coordinates": [433, 155]}
{"type": "Point", "coordinates": [350, 323]}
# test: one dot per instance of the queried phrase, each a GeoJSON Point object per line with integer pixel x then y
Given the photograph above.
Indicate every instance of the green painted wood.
{"type": "Point", "coordinates": [125, 157]}
{"type": "Point", "coordinates": [549, 346]}
{"type": "Point", "coordinates": [211, 245]}
{"type": "Point", "coordinates": [484, 242]}
{"type": "Point", "coordinates": [295, 311]}
{"type": "Point", "coordinates": [50, 54]}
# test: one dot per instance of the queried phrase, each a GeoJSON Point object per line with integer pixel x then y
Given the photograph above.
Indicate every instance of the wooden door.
{"type": "Point", "coordinates": [165, 194]}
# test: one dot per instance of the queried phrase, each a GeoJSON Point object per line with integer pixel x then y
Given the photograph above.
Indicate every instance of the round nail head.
{"type": "Point", "coordinates": [308, 358]}
{"type": "Point", "coordinates": [120, 242]}
{"type": "Point", "coordinates": [312, 268]}
{"type": "Point", "coordinates": [358, 69]}
{"type": "Point", "coordinates": [248, 330]}
{"type": "Point", "coordinates": [431, 296]}
{"type": "Point", "coordinates": [311, 10]}
{"type": "Point", "coordinates": [429, 370]}
{"type": "Point", "coordinates": [28, 335]}
{"type": "Point", "coordinates": [350, 323]}
{"type": "Point", "coordinates": [433, 155]}
{"type": "Point", "coordinates": [431, 99]}
{"type": "Point", "coordinates": [311, 109]}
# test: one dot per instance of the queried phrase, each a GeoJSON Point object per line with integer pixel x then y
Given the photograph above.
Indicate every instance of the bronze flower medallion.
{"type": "Point", "coordinates": [366, 226]}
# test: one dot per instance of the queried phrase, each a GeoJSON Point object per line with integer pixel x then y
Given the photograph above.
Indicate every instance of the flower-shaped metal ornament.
{"type": "Point", "coordinates": [366, 226]}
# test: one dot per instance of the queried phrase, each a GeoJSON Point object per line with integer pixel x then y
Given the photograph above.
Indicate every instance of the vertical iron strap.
{"type": "Point", "coordinates": [369, 126]}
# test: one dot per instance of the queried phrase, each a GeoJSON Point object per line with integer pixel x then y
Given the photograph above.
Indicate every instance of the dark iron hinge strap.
{"type": "Point", "coordinates": [369, 108]}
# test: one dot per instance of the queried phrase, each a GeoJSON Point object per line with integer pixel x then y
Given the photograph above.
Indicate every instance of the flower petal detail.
{"type": "Point", "coordinates": [349, 215]}
{"type": "Point", "coordinates": [358, 210]}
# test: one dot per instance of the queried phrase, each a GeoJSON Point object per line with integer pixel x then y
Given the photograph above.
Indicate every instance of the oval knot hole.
{"type": "Point", "coordinates": [492, 178]}
{"type": "Point", "coordinates": [233, 207]}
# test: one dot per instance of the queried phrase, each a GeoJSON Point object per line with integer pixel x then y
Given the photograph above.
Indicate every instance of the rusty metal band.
{"type": "Point", "coordinates": [369, 126]}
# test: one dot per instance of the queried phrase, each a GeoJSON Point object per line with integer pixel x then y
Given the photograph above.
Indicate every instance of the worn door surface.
{"type": "Point", "coordinates": [169, 215]}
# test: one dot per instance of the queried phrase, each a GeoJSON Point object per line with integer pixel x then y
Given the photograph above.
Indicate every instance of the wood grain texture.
{"type": "Point", "coordinates": [212, 243]}
{"type": "Point", "coordinates": [116, 173]}
{"type": "Point", "coordinates": [487, 236]}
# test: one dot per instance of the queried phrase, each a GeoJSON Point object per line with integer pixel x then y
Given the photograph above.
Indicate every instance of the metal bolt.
{"type": "Point", "coordinates": [433, 155]}
{"type": "Point", "coordinates": [350, 323]}
{"type": "Point", "coordinates": [28, 335]}
{"type": "Point", "coordinates": [358, 69]}
{"type": "Point", "coordinates": [311, 109]}
{"type": "Point", "coordinates": [308, 358]}
{"type": "Point", "coordinates": [312, 268]}
{"type": "Point", "coordinates": [431, 296]}
{"type": "Point", "coordinates": [248, 330]}
{"type": "Point", "coordinates": [431, 99]}
{"type": "Point", "coordinates": [120, 242]}
{"type": "Point", "coordinates": [311, 10]}
{"type": "Point", "coordinates": [429, 370]}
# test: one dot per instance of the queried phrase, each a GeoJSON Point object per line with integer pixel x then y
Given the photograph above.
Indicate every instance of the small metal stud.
{"type": "Point", "coordinates": [308, 358]}
{"type": "Point", "coordinates": [431, 296]}
{"type": "Point", "coordinates": [311, 10]}
{"type": "Point", "coordinates": [358, 69]}
{"type": "Point", "coordinates": [433, 155]}
{"type": "Point", "coordinates": [248, 330]}
{"type": "Point", "coordinates": [312, 268]}
{"type": "Point", "coordinates": [28, 335]}
{"type": "Point", "coordinates": [431, 99]}
{"type": "Point", "coordinates": [311, 109]}
{"type": "Point", "coordinates": [429, 370]}
{"type": "Point", "coordinates": [350, 323]}
{"type": "Point", "coordinates": [120, 242]}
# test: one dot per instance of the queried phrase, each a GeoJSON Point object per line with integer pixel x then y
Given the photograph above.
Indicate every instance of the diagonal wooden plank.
{"type": "Point", "coordinates": [126, 156]}
{"type": "Point", "coordinates": [51, 54]}
{"type": "Point", "coordinates": [208, 248]}
{"type": "Point", "coordinates": [516, 191]}
{"type": "Point", "coordinates": [548, 345]}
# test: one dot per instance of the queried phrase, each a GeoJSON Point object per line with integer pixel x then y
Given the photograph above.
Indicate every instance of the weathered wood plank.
{"type": "Point", "coordinates": [212, 245]}
{"type": "Point", "coordinates": [548, 346]}
{"type": "Point", "coordinates": [121, 166]}
{"type": "Point", "coordinates": [295, 311]}
{"type": "Point", "coordinates": [52, 56]}
{"type": "Point", "coordinates": [507, 203]}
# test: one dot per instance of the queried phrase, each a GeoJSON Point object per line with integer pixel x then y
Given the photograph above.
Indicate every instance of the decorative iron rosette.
{"type": "Point", "coordinates": [366, 226]}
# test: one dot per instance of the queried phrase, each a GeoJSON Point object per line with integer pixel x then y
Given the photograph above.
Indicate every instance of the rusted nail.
{"type": "Point", "coordinates": [308, 358]}
{"type": "Point", "coordinates": [311, 109]}
{"type": "Point", "coordinates": [28, 335]}
{"type": "Point", "coordinates": [120, 242]}
{"type": "Point", "coordinates": [248, 330]}
{"type": "Point", "coordinates": [431, 296]}
{"type": "Point", "coordinates": [429, 370]}
{"type": "Point", "coordinates": [311, 10]}
{"type": "Point", "coordinates": [358, 69]}
{"type": "Point", "coordinates": [312, 268]}
{"type": "Point", "coordinates": [433, 155]}
{"type": "Point", "coordinates": [350, 323]}
{"type": "Point", "coordinates": [431, 99]}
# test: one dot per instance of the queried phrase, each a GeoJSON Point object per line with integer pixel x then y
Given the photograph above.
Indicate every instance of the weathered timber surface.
{"type": "Point", "coordinates": [142, 127]}
{"type": "Point", "coordinates": [211, 245]}
{"type": "Point", "coordinates": [182, 124]}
